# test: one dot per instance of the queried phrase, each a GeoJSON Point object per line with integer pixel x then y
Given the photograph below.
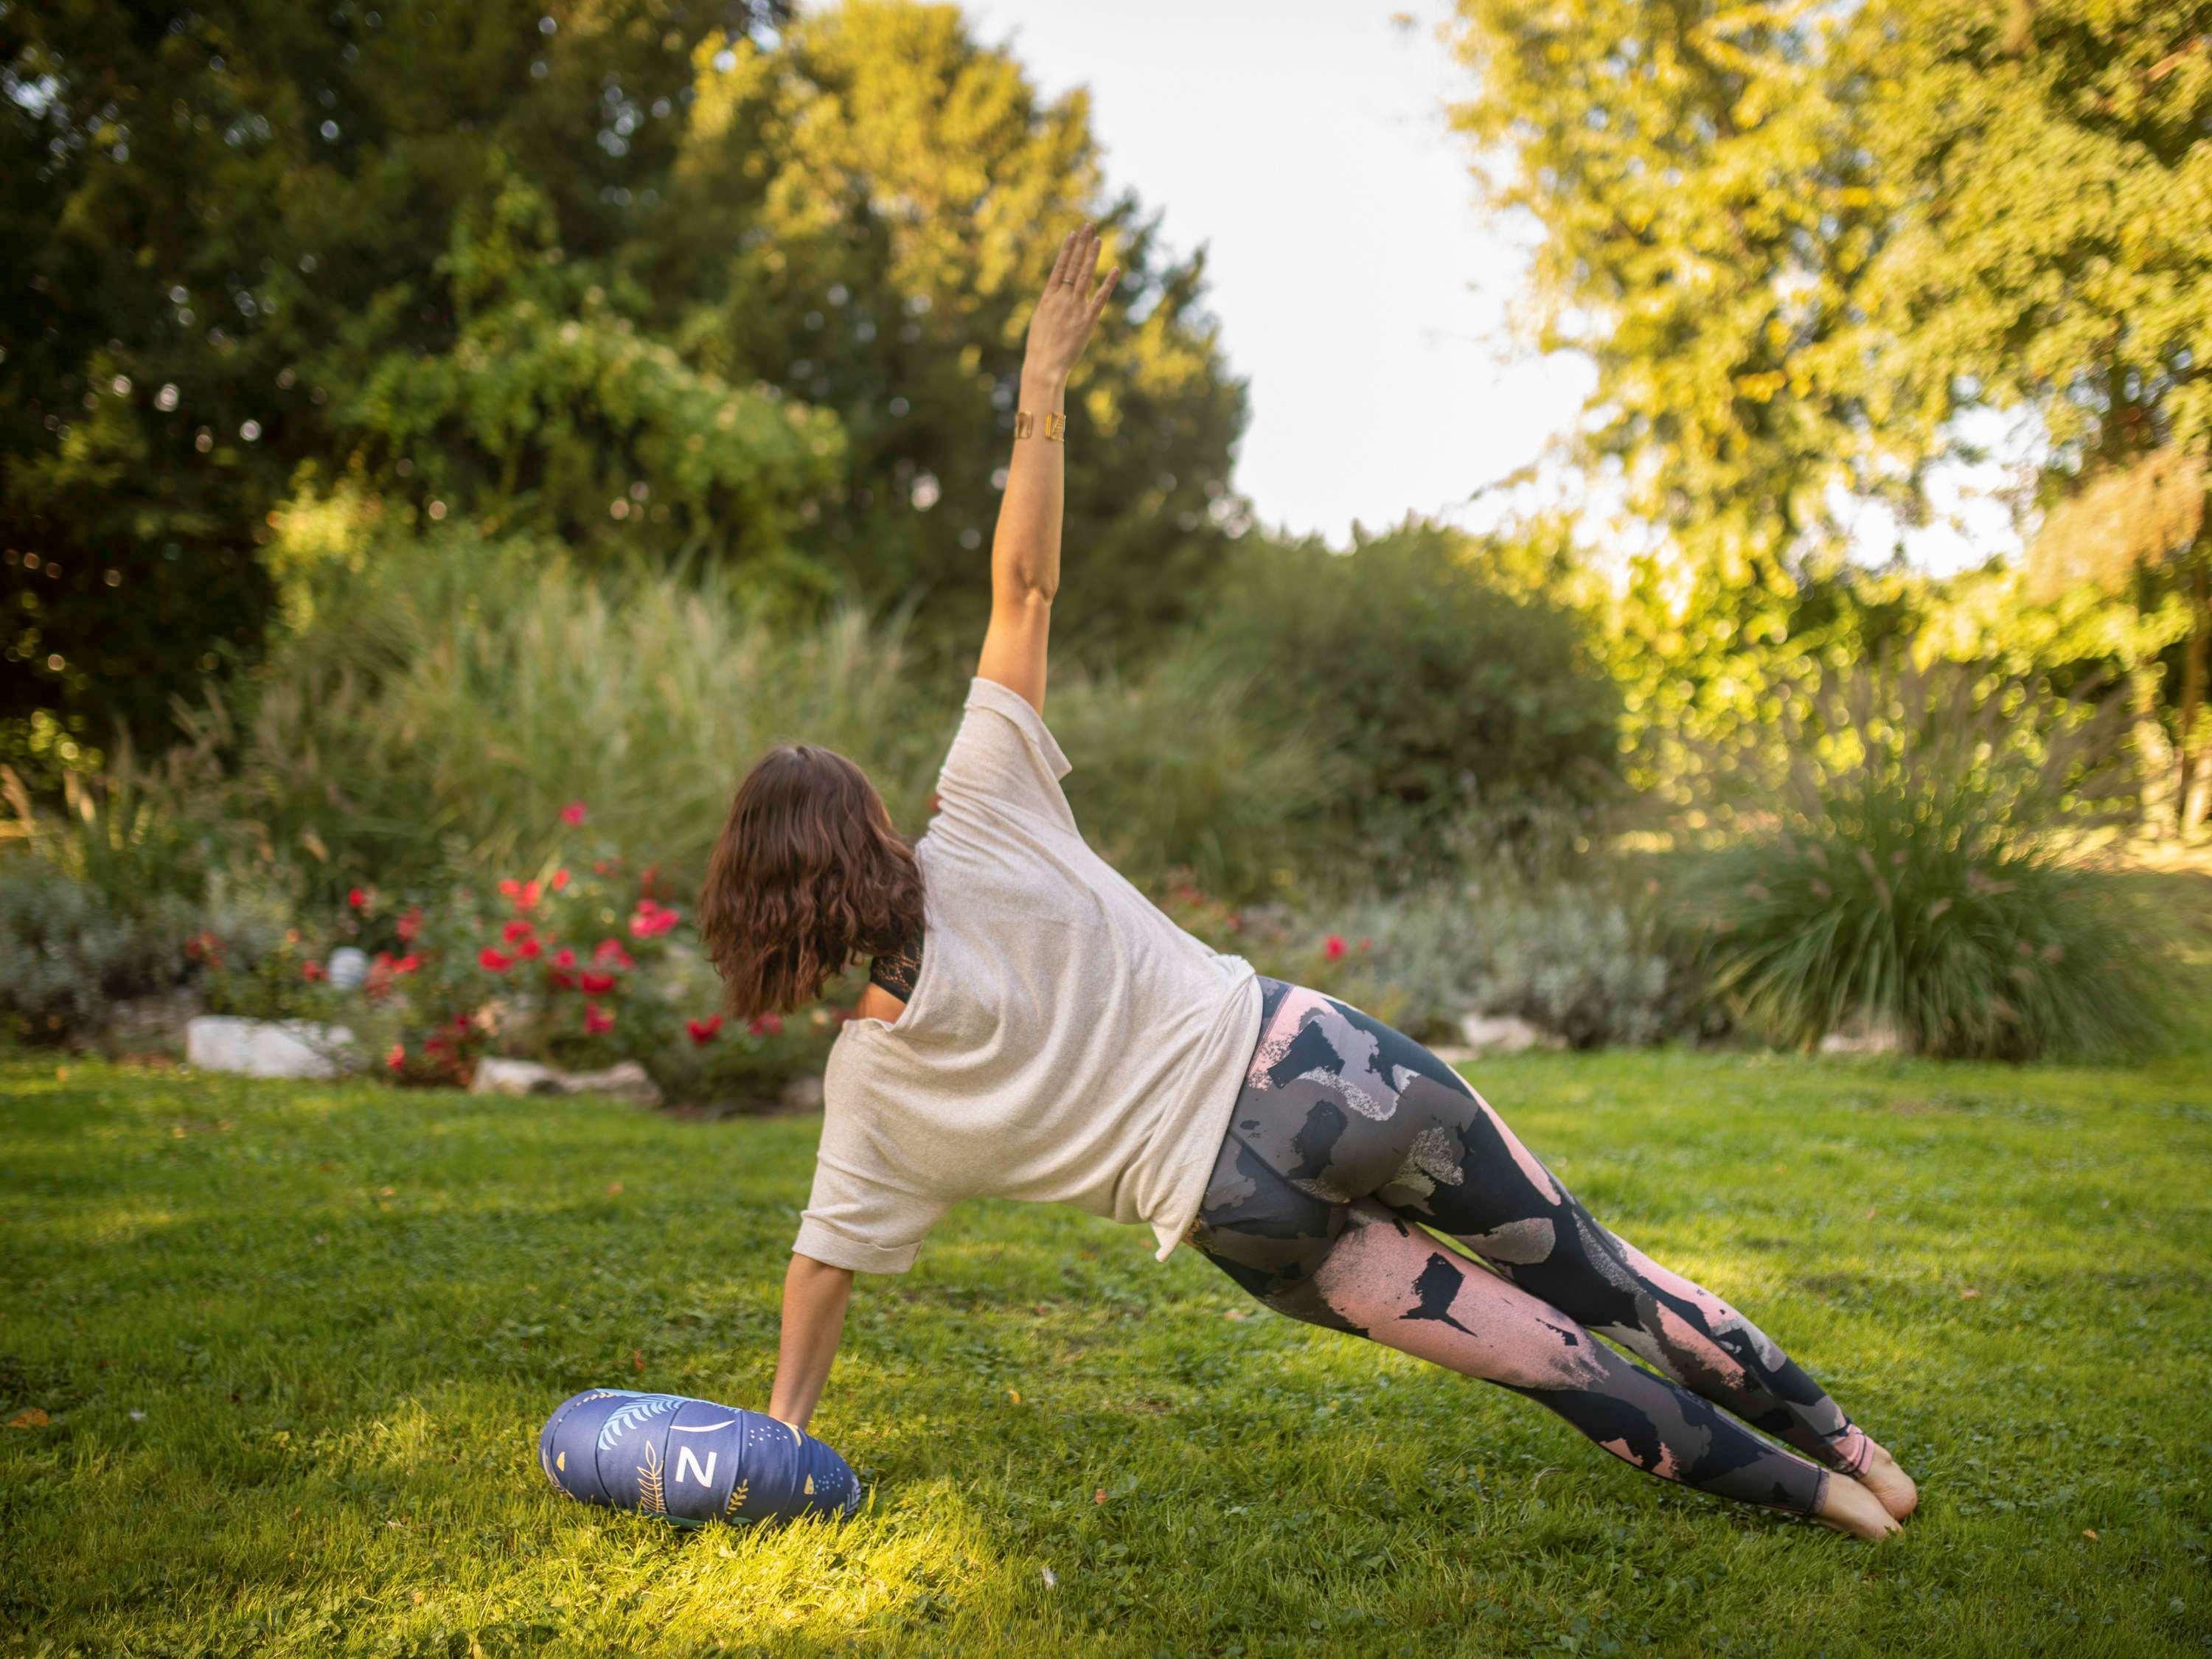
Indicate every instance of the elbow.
{"type": "Point", "coordinates": [1028, 590]}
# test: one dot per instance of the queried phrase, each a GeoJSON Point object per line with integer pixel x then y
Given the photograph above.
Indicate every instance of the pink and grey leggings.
{"type": "Point", "coordinates": [1347, 1133]}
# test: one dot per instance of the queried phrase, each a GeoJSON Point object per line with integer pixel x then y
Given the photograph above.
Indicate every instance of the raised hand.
{"type": "Point", "coordinates": [1069, 308]}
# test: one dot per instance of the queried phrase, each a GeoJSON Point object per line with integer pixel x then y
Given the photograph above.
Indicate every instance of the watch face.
{"type": "Point", "coordinates": [690, 1461]}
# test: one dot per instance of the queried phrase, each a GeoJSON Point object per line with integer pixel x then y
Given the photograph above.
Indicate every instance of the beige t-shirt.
{"type": "Point", "coordinates": [1065, 1041]}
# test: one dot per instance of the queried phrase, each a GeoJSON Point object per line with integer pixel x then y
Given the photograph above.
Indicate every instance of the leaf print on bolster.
{"type": "Point", "coordinates": [640, 1410]}
{"type": "Point", "coordinates": [737, 1500]}
{"type": "Point", "coordinates": [652, 1499]}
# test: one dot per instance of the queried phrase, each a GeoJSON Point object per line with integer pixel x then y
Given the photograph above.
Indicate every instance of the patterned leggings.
{"type": "Point", "coordinates": [1347, 1131]}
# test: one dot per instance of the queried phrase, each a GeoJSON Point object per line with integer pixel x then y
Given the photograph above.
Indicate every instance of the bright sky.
{"type": "Point", "coordinates": [1360, 290]}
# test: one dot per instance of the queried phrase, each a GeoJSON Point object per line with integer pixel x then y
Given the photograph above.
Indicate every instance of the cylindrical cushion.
{"type": "Point", "coordinates": [690, 1461]}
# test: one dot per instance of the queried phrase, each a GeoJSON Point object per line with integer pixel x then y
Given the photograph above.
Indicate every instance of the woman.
{"type": "Point", "coordinates": [1032, 1028]}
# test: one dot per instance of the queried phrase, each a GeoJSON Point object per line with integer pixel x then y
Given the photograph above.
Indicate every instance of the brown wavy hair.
{"type": "Point", "coordinates": [808, 874]}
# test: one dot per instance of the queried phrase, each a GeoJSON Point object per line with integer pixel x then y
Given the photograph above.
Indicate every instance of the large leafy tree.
{"type": "Point", "coordinates": [1706, 220]}
{"type": "Point", "coordinates": [668, 278]}
{"type": "Point", "coordinates": [1801, 242]}
{"type": "Point", "coordinates": [894, 190]}
{"type": "Point", "coordinates": [2050, 173]}
{"type": "Point", "coordinates": [227, 224]}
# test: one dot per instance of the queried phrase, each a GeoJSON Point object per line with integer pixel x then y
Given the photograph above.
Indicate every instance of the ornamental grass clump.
{"type": "Point", "coordinates": [1920, 860]}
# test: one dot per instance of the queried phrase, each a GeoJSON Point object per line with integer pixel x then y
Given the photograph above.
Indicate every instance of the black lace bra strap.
{"type": "Point", "coordinates": [897, 970]}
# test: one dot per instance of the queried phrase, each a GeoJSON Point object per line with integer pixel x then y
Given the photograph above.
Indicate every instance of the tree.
{"type": "Point", "coordinates": [2050, 174]}
{"type": "Point", "coordinates": [219, 215]}
{"type": "Point", "coordinates": [2130, 526]}
{"type": "Point", "coordinates": [663, 279]}
{"type": "Point", "coordinates": [1801, 242]}
{"type": "Point", "coordinates": [1706, 219]}
{"type": "Point", "coordinates": [894, 192]}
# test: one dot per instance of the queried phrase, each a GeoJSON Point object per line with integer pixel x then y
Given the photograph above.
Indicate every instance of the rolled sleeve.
{"type": "Point", "coordinates": [855, 1220]}
{"type": "Point", "coordinates": [1004, 755]}
{"type": "Point", "coordinates": [825, 1243]}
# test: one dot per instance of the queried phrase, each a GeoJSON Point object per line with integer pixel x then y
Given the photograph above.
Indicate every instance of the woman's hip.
{"type": "Point", "coordinates": [1336, 1107]}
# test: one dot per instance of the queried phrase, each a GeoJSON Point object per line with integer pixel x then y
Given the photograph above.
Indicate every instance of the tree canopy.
{"type": "Point", "coordinates": [1801, 242]}
{"type": "Point", "coordinates": [661, 279]}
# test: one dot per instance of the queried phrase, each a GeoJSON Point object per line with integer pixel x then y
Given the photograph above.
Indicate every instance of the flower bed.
{"type": "Point", "coordinates": [581, 964]}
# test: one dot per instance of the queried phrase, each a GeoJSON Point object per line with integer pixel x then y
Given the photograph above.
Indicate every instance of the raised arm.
{"type": "Point", "coordinates": [1025, 552]}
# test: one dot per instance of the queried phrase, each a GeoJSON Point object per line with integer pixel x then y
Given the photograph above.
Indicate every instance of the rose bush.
{"type": "Point", "coordinates": [581, 964]}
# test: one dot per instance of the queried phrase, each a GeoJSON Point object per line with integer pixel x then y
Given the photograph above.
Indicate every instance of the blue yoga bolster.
{"type": "Point", "coordinates": [690, 1461]}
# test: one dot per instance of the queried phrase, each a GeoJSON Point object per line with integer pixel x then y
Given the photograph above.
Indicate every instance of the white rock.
{"type": "Point", "coordinates": [268, 1048]}
{"type": "Point", "coordinates": [627, 1081]}
{"type": "Point", "coordinates": [515, 1076]}
{"type": "Point", "coordinates": [1504, 1033]}
{"type": "Point", "coordinates": [1865, 1037]}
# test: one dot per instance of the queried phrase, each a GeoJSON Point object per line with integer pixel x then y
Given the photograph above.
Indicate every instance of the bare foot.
{"type": "Point", "coordinates": [1849, 1507]}
{"type": "Point", "coordinates": [1890, 1484]}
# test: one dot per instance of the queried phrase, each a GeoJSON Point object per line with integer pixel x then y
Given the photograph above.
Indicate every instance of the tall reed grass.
{"type": "Point", "coordinates": [452, 697]}
{"type": "Point", "coordinates": [1924, 858]}
{"type": "Point", "coordinates": [446, 699]}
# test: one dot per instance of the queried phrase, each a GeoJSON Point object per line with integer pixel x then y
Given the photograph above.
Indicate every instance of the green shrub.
{"type": "Point", "coordinates": [1922, 865]}
{"type": "Point", "coordinates": [442, 699]}
{"type": "Point", "coordinates": [128, 832]}
{"type": "Point", "coordinates": [1440, 688]}
{"type": "Point", "coordinates": [1580, 959]}
{"type": "Point", "coordinates": [66, 953]}
{"type": "Point", "coordinates": [1589, 966]}
{"type": "Point", "coordinates": [1185, 773]}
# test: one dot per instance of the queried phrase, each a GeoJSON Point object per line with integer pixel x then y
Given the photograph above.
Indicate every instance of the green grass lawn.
{"type": "Point", "coordinates": [295, 1343]}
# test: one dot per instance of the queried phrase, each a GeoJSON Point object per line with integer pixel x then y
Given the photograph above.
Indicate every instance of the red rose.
{"type": "Point", "coordinates": [702, 1030]}
{"type": "Point", "coordinates": [572, 813]}
{"type": "Point", "coordinates": [598, 985]}
{"type": "Point", "coordinates": [523, 895]}
{"type": "Point", "coordinates": [396, 1058]}
{"type": "Point", "coordinates": [407, 925]}
{"type": "Point", "coordinates": [652, 920]}
{"type": "Point", "coordinates": [597, 1020]}
{"type": "Point", "coordinates": [767, 1025]}
{"type": "Point", "coordinates": [356, 898]}
{"type": "Point", "coordinates": [497, 962]}
{"type": "Point", "coordinates": [515, 931]}
{"type": "Point", "coordinates": [559, 881]}
{"type": "Point", "coordinates": [610, 951]}
{"type": "Point", "coordinates": [564, 957]}
{"type": "Point", "coordinates": [529, 949]}
{"type": "Point", "coordinates": [310, 971]}
{"type": "Point", "coordinates": [1331, 948]}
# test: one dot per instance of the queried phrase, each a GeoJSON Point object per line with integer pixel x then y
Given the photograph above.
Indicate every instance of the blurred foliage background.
{"type": "Point", "coordinates": [416, 417]}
